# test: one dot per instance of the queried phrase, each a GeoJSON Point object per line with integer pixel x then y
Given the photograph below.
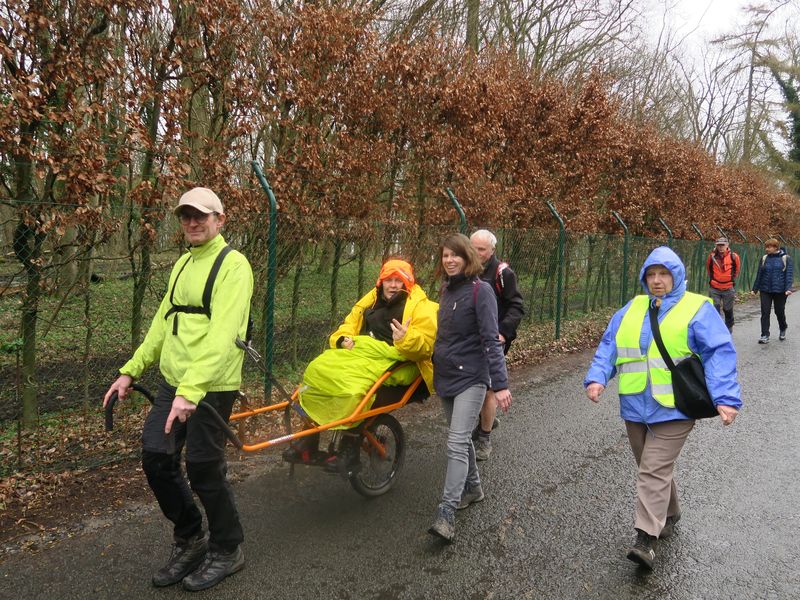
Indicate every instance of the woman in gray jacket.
{"type": "Point", "coordinates": [467, 360]}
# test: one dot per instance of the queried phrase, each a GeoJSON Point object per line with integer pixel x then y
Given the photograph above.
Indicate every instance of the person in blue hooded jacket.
{"type": "Point", "coordinates": [656, 429]}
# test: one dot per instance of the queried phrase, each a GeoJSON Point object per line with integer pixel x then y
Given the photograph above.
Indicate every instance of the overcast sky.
{"type": "Point", "coordinates": [698, 20]}
{"type": "Point", "coordinates": [710, 17]}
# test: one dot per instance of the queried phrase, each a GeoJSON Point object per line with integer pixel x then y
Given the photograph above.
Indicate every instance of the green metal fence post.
{"type": "Point", "coordinates": [462, 217]}
{"type": "Point", "coordinates": [562, 234]}
{"type": "Point", "coordinates": [625, 249]}
{"type": "Point", "coordinates": [669, 231]}
{"type": "Point", "coordinates": [743, 257]}
{"type": "Point", "coordinates": [721, 231]}
{"type": "Point", "coordinates": [272, 275]}
{"type": "Point", "coordinates": [783, 239]}
{"type": "Point", "coordinates": [699, 250]}
{"type": "Point", "coordinates": [760, 241]}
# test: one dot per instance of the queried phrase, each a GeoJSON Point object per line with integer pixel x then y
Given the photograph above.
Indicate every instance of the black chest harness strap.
{"type": "Point", "coordinates": [196, 310]}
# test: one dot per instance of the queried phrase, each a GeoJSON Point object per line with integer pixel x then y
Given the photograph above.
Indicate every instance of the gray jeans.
{"type": "Point", "coordinates": [461, 412]}
{"type": "Point", "coordinates": [723, 302]}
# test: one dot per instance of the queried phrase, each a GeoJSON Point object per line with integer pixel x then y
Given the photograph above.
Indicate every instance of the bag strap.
{"type": "Point", "coordinates": [212, 277]}
{"type": "Point", "coordinates": [205, 309]}
{"type": "Point", "coordinates": [653, 313]}
{"type": "Point", "coordinates": [499, 284]}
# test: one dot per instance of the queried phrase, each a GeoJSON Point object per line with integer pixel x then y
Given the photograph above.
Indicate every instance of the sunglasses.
{"type": "Point", "coordinates": [197, 217]}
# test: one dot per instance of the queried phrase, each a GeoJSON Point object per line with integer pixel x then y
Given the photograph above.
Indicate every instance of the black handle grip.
{"type": "Point", "coordinates": [229, 433]}
{"type": "Point", "coordinates": [113, 400]}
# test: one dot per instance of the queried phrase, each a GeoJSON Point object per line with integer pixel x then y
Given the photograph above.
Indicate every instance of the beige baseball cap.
{"type": "Point", "coordinates": [203, 199]}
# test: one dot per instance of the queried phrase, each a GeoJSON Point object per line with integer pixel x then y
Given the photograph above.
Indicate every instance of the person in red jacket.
{"type": "Point", "coordinates": [723, 267]}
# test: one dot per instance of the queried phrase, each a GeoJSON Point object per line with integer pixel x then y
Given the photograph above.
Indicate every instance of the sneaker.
{"type": "Point", "coordinates": [471, 495]}
{"type": "Point", "coordinates": [483, 448]}
{"type": "Point", "coordinates": [495, 424]}
{"type": "Point", "coordinates": [764, 339]}
{"type": "Point", "coordinates": [304, 451]}
{"type": "Point", "coordinates": [782, 335]}
{"type": "Point", "coordinates": [669, 526]}
{"type": "Point", "coordinates": [643, 550]}
{"type": "Point", "coordinates": [346, 462]}
{"type": "Point", "coordinates": [216, 567]}
{"type": "Point", "coordinates": [444, 525]}
{"type": "Point", "coordinates": [186, 556]}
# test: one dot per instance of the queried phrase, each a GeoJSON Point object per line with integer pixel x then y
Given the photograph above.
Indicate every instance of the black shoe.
{"type": "Point", "coordinates": [186, 557]}
{"type": "Point", "coordinates": [643, 550]}
{"type": "Point", "coordinates": [216, 567]}
{"type": "Point", "coordinates": [782, 335]}
{"type": "Point", "coordinates": [304, 452]}
{"type": "Point", "coordinates": [764, 339]}
{"type": "Point", "coordinates": [347, 460]}
{"type": "Point", "coordinates": [669, 526]}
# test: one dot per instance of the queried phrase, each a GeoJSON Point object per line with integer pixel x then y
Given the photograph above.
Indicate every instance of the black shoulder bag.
{"type": "Point", "coordinates": [688, 379]}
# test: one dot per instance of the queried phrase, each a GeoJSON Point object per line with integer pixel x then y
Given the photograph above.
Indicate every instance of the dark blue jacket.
{"type": "Point", "coordinates": [510, 306]}
{"type": "Point", "coordinates": [467, 350]}
{"type": "Point", "coordinates": [773, 277]}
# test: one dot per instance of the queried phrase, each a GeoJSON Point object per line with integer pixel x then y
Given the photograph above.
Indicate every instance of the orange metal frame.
{"type": "Point", "coordinates": [358, 414]}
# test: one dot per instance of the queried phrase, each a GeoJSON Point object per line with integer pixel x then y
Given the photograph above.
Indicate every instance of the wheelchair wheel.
{"type": "Point", "coordinates": [379, 463]}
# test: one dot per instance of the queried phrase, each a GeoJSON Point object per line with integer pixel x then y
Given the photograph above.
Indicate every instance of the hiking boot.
{"type": "Point", "coordinates": [669, 526]}
{"type": "Point", "coordinates": [643, 550]}
{"type": "Point", "coordinates": [782, 335]}
{"type": "Point", "coordinates": [444, 525]}
{"type": "Point", "coordinates": [216, 567]}
{"type": "Point", "coordinates": [764, 339]}
{"type": "Point", "coordinates": [186, 556]}
{"type": "Point", "coordinates": [483, 448]}
{"type": "Point", "coordinates": [471, 495]}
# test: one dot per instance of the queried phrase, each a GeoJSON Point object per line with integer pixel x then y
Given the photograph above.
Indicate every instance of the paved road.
{"type": "Point", "coordinates": [555, 523]}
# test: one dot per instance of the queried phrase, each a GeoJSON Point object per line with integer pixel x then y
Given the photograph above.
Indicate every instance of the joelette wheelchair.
{"type": "Point", "coordinates": [369, 454]}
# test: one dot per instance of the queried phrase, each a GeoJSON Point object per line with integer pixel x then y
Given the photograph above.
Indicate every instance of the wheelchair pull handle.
{"type": "Point", "coordinates": [229, 433]}
{"type": "Point", "coordinates": [113, 400]}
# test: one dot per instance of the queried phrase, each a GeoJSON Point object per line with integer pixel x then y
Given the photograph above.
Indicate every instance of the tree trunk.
{"type": "Point", "coordinates": [28, 250]}
{"type": "Point", "coordinates": [473, 10]}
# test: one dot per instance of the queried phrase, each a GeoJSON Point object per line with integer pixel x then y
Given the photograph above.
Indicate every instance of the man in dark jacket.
{"type": "Point", "coordinates": [774, 283]}
{"type": "Point", "coordinates": [510, 309]}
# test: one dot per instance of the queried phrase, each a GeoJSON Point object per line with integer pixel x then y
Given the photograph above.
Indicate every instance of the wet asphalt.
{"type": "Point", "coordinates": [556, 521]}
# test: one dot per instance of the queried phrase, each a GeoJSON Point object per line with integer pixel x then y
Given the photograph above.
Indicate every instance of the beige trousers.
{"type": "Point", "coordinates": [656, 448]}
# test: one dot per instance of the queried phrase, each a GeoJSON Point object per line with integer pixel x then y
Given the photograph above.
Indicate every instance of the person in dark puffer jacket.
{"type": "Point", "coordinates": [467, 360]}
{"type": "Point", "coordinates": [774, 285]}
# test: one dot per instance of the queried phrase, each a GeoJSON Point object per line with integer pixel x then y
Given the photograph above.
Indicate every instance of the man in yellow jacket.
{"type": "Point", "coordinates": [193, 337]}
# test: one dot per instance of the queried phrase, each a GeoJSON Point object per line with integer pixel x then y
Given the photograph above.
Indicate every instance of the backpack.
{"type": "Point", "coordinates": [784, 258]}
{"type": "Point", "coordinates": [209, 287]}
{"type": "Point", "coordinates": [499, 285]}
{"type": "Point", "coordinates": [712, 259]}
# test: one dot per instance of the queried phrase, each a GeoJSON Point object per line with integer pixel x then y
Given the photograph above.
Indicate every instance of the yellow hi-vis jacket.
{"type": "Point", "coordinates": [199, 355]}
{"type": "Point", "coordinates": [417, 344]}
{"type": "Point", "coordinates": [634, 369]}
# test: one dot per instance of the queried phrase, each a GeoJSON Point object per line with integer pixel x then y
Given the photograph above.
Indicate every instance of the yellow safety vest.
{"type": "Point", "coordinates": [635, 369]}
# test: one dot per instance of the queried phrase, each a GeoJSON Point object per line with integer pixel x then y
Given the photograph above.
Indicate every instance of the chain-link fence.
{"type": "Point", "coordinates": [70, 309]}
